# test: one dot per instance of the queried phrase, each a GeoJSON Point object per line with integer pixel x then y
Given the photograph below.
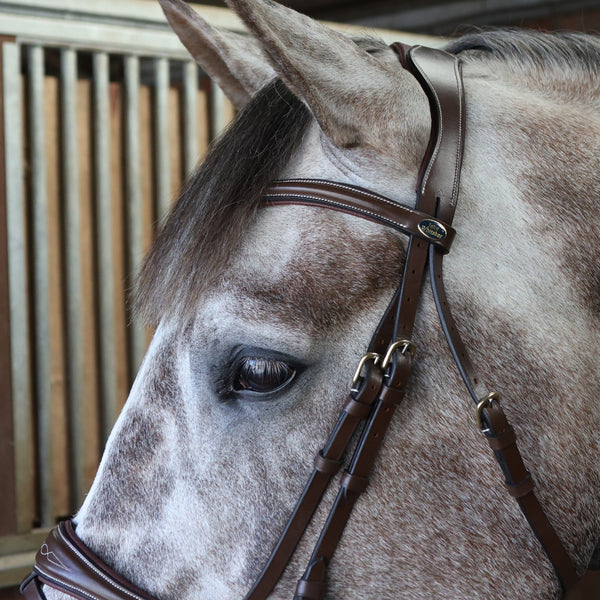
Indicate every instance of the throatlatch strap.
{"type": "Point", "coordinates": [519, 483]}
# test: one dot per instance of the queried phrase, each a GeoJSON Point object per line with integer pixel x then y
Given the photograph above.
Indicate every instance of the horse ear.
{"type": "Point", "coordinates": [235, 61]}
{"type": "Point", "coordinates": [353, 95]}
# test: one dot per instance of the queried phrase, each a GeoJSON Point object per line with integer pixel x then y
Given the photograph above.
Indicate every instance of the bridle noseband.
{"type": "Point", "coordinates": [381, 377]}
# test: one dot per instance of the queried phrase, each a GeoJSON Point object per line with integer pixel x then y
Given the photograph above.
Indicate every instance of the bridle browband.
{"type": "Point", "coordinates": [378, 386]}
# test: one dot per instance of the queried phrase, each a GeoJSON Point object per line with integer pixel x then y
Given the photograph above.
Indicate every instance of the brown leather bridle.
{"type": "Point", "coordinates": [378, 386]}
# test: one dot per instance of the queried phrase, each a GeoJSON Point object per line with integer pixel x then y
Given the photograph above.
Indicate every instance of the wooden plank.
{"type": "Point", "coordinates": [219, 117]}
{"type": "Point", "coordinates": [54, 429]}
{"type": "Point", "coordinates": [16, 556]}
{"type": "Point", "coordinates": [190, 116]}
{"type": "Point", "coordinates": [148, 209]}
{"type": "Point", "coordinates": [85, 411]}
{"type": "Point", "coordinates": [15, 567]}
{"type": "Point", "coordinates": [221, 110]}
{"type": "Point", "coordinates": [122, 376]}
{"type": "Point", "coordinates": [135, 243]}
{"type": "Point", "coordinates": [41, 301]}
{"type": "Point", "coordinates": [117, 26]}
{"type": "Point", "coordinates": [113, 26]}
{"type": "Point", "coordinates": [142, 14]}
{"type": "Point", "coordinates": [8, 517]}
{"type": "Point", "coordinates": [76, 355]}
{"type": "Point", "coordinates": [147, 212]}
{"type": "Point", "coordinates": [161, 137]}
{"type": "Point", "coordinates": [175, 141]}
{"type": "Point", "coordinates": [203, 108]}
{"type": "Point", "coordinates": [103, 198]}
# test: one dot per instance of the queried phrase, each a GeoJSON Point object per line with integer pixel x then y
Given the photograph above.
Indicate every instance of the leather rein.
{"type": "Point", "coordinates": [378, 387]}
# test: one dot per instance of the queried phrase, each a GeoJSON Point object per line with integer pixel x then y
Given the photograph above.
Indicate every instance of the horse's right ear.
{"type": "Point", "coordinates": [235, 61]}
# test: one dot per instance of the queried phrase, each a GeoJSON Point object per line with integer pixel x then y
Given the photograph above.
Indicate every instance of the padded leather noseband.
{"type": "Point", "coordinates": [378, 387]}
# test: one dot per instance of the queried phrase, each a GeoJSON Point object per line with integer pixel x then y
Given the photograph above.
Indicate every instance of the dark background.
{"type": "Point", "coordinates": [449, 17]}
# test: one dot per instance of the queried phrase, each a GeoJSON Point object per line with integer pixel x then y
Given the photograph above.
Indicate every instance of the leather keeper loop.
{"type": "Point", "coordinates": [329, 466]}
{"type": "Point", "coordinates": [357, 409]}
{"type": "Point", "coordinates": [391, 395]}
{"type": "Point", "coordinates": [354, 483]}
{"type": "Point", "coordinates": [309, 590]}
{"type": "Point", "coordinates": [503, 440]}
{"type": "Point", "coordinates": [524, 487]}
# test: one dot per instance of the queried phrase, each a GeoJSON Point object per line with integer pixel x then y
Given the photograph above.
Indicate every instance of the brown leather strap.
{"type": "Point", "coordinates": [503, 442]}
{"type": "Point", "coordinates": [438, 183]}
{"type": "Point", "coordinates": [327, 463]}
{"type": "Point", "coordinates": [440, 75]}
{"type": "Point", "coordinates": [31, 588]}
{"type": "Point", "coordinates": [447, 102]}
{"type": "Point", "coordinates": [358, 201]}
{"type": "Point", "coordinates": [353, 483]}
{"type": "Point", "coordinates": [587, 588]}
{"type": "Point", "coordinates": [66, 564]}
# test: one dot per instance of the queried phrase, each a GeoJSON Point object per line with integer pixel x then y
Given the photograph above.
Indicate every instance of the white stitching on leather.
{"type": "Point", "coordinates": [97, 571]}
{"type": "Point", "coordinates": [64, 585]}
{"type": "Point", "coordinates": [346, 187]}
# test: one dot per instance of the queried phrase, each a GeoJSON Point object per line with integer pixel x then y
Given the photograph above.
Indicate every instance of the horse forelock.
{"type": "Point", "coordinates": [219, 202]}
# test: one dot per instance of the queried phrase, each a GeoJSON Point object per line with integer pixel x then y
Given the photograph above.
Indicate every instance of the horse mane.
{"type": "Point", "coordinates": [218, 203]}
{"type": "Point", "coordinates": [532, 50]}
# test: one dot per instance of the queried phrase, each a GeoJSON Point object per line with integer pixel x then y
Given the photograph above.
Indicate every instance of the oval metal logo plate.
{"type": "Point", "coordinates": [432, 230]}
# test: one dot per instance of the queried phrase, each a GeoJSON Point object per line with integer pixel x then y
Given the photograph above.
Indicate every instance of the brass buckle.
{"type": "Point", "coordinates": [401, 345]}
{"type": "Point", "coordinates": [368, 357]}
{"type": "Point", "coordinates": [481, 405]}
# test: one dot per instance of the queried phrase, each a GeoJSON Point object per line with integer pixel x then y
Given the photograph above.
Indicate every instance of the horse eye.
{"type": "Point", "coordinates": [263, 375]}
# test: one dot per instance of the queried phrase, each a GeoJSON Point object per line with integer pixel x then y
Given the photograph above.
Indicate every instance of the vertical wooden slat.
{"type": "Point", "coordinates": [8, 425]}
{"type": "Point", "coordinates": [73, 256]}
{"type": "Point", "coordinates": [203, 130]}
{"type": "Point", "coordinates": [175, 139]}
{"type": "Point", "coordinates": [56, 315]}
{"type": "Point", "coordinates": [41, 278]}
{"type": "Point", "coordinates": [221, 110]}
{"type": "Point", "coordinates": [148, 213]}
{"type": "Point", "coordinates": [161, 137]}
{"type": "Point", "coordinates": [104, 243]}
{"type": "Point", "coordinates": [88, 404]}
{"type": "Point", "coordinates": [137, 335]}
{"type": "Point", "coordinates": [118, 226]}
{"type": "Point", "coordinates": [190, 116]}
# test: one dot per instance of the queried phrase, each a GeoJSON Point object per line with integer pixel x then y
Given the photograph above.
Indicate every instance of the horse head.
{"type": "Point", "coordinates": [263, 313]}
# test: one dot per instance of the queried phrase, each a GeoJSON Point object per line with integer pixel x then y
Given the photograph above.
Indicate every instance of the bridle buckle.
{"type": "Point", "coordinates": [401, 346]}
{"type": "Point", "coordinates": [373, 357]}
{"type": "Point", "coordinates": [481, 405]}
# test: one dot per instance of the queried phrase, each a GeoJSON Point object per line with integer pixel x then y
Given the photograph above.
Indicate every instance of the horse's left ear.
{"type": "Point", "coordinates": [235, 61]}
{"type": "Point", "coordinates": [353, 95]}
